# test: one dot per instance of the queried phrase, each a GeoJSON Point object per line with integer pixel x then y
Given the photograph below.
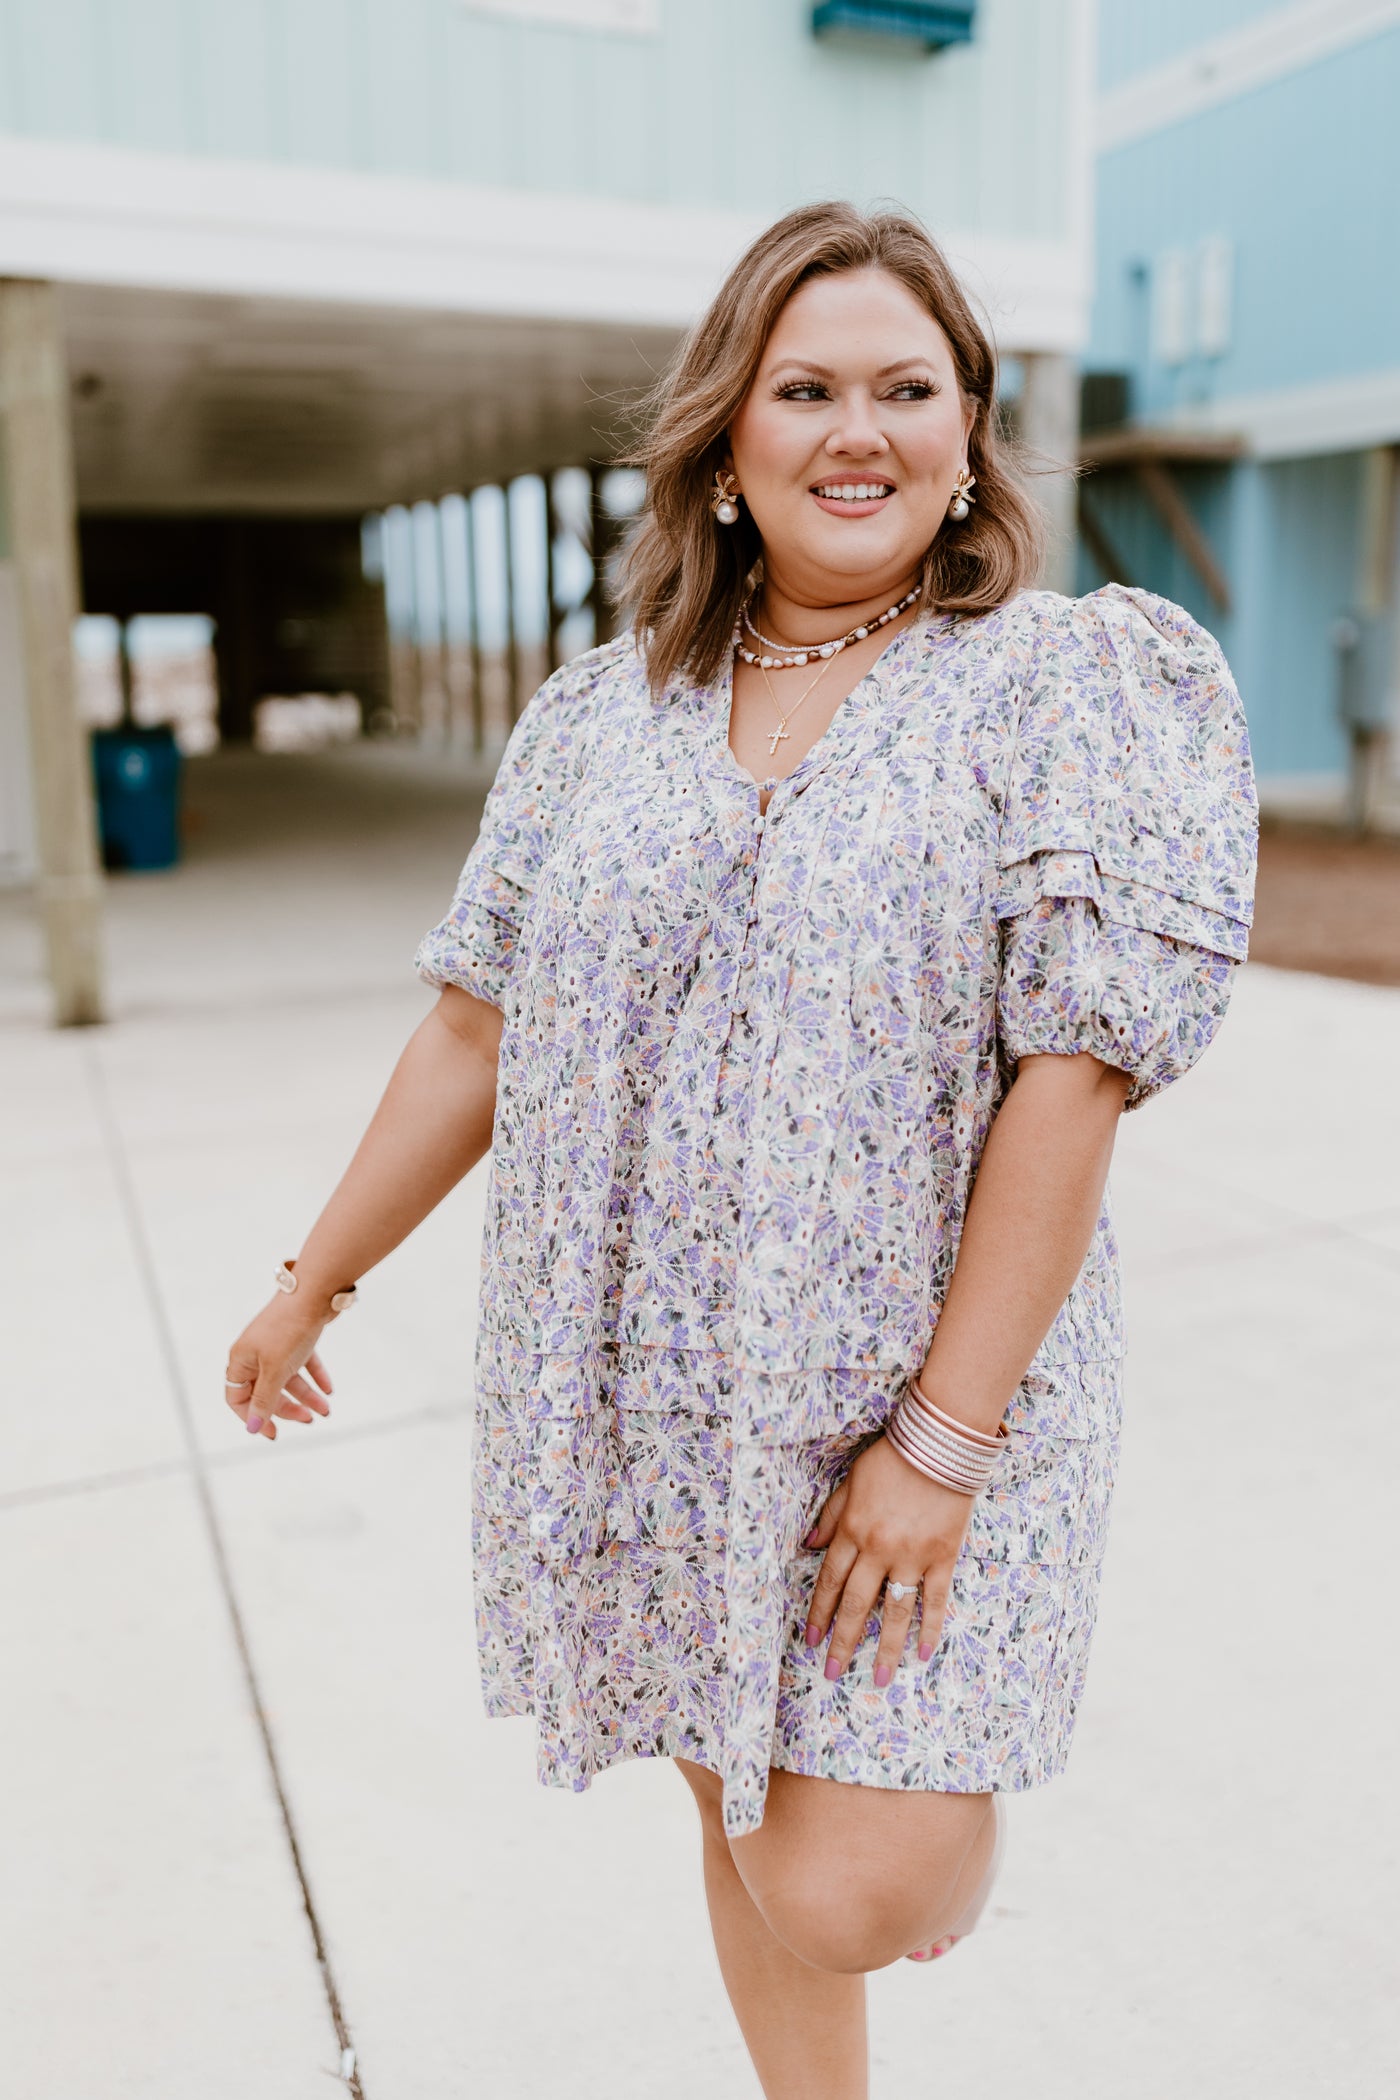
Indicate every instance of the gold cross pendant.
{"type": "Point", "coordinates": [775, 737]}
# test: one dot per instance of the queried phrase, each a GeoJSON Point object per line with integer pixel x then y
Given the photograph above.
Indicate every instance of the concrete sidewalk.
{"type": "Point", "coordinates": [240, 1684]}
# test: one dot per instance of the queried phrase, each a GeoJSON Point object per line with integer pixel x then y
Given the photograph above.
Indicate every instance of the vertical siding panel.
{"type": "Point", "coordinates": [149, 49]}
{"type": "Point", "coordinates": [481, 145]}
{"type": "Point", "coordinates": [996, 149]}
{"type": "Point", "coordinates": [1043, 203]}
{"type": "Point", "coordinates": [58, 73]}
{"type": "Point", "coordinates": [395, 58]}
{"type": "Point", "coordinates": [571, 109]}
{"type": "Point", "coordinates": [732, 86]}
{"type": "Point", "coordinates": [777, 96]}
{"type": "Point", "coordinates": [319, 59]}
{"type": "Point", "coordinates": [957, 150]}
{"type": "Point", "coordinates": [12, 115]}
{"type": "Point", "coordinates": [689, 127]}
{"type": "Point", "coordinates": [534, 119]}
{"type": "Point", "coordinates": [238, 88]}
{"type": "Point", "coordinates": [623, 157]}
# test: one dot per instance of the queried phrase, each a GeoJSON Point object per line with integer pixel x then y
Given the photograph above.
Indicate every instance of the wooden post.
{"type": "Point", "coordinates": [513, 695]}
{"type": "Point", "coordinates": [1049, 424]}
{"type": "Point", "coordinates": [126, 674]}
{"type": "Point", "coordinates": [235, 644]}
{"type": "Point", "coordinates": [551, 581]}
{"type": "Point", "coordinates": [42, 513]}
{"type": "Point", "coordinates": [600, 541]}
{"type": "Point", "coordinates": [474, 632]}
{"type": "Point", "coordinates": [451, 682]}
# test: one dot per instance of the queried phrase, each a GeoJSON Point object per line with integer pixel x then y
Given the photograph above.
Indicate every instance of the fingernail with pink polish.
{"type": "Point", "coordinates": [833, 1668]}
{"type": "Point", "coordinates": [811, 1538]}
{"type": "Point", "coordinates": [812, 1636]}
{"type": "Point", "coordinates": [255, 1423]}
{"type": "Point", "coordinates": [883, 1674]}
{"type": "Point", "coordinates": [925, 1655]}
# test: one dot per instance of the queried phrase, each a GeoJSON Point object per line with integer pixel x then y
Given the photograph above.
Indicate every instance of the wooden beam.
{"type": "Point", "coordinates": [1176, 514]}
{"type": "Point", "coordinates": [35, 439]}
{"type": "Point", "coordinates": [1100, 545]}
{"type": "Point", "coordinates": [1124, 448]}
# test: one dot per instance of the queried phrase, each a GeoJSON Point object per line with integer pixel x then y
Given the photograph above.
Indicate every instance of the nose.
{"type": "Point", "coordinates": [858, 434]}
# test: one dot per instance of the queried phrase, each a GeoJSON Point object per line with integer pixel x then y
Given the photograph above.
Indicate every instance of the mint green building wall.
{"type": "Point", "coordinates": [973, 137]}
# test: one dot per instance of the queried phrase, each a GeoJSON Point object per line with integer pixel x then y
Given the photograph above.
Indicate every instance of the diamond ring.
{"type": "Point", "coordinates": [900, 1590]}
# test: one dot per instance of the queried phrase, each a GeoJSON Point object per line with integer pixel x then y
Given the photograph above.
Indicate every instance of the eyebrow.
{"type": "Point", "coordinates": [809, 364]}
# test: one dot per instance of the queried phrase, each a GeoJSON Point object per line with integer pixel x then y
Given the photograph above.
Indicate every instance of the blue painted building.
{"type": "Point", "coordinates": [1246, 319]}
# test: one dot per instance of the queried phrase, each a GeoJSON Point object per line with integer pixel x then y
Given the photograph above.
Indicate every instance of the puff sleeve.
{"type": "Point", "coordinates": [475, 945]}
{"type": "Point", "coordinates": [1127, 840]}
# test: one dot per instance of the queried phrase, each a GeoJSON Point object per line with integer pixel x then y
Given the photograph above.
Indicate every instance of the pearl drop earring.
{"type": "Point", "coordinates": [962, 497]}
{"type": "Point", "coordinates": [722, 502]}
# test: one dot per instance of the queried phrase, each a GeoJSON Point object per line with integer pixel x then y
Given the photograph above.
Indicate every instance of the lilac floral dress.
{"type": "Point", "coordinates": [747, 1069]}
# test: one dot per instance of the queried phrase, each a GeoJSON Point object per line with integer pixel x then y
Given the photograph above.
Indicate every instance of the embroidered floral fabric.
{"type": "Point", "coordinates": [747, 1068]}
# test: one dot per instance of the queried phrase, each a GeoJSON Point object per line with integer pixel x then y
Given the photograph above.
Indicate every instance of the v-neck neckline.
{"type": "Point", "coordinates": [844, 715]}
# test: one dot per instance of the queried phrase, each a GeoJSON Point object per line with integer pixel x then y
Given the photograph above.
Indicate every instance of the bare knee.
{"type": "Point", "coordinates": [850, 1878]}
{"type": "Point", "coordinates": [847, 1930]}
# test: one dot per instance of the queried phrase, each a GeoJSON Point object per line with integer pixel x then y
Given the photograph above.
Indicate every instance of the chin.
{"type": "Point", "coordinates": [852, 553]}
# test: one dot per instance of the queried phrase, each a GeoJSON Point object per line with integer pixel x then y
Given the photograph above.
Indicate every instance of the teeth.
{"type": "Point", "coordinates": [859, 492]}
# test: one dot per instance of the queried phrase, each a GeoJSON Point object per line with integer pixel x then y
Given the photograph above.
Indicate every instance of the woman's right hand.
{"type": "Point", "coordinates": [273, 1369]}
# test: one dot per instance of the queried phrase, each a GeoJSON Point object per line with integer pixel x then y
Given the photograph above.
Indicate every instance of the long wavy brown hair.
{"type": "Point", "coordinates": [683, 576]}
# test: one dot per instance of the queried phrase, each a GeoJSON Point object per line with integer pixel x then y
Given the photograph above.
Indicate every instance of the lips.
{"type": "Point", "coordinates": [852, 498]}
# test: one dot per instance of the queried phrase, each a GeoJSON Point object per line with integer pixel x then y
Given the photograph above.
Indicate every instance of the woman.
{"type": "Point", "coordinates": [816, 935]}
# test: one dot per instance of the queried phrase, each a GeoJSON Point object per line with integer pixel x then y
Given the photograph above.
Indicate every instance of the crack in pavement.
{"type": "Point", "coordinates": [199, 1476]}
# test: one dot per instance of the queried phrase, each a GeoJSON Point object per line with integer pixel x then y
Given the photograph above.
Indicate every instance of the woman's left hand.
{"type": "Point", "coordinates": [884, 1522]}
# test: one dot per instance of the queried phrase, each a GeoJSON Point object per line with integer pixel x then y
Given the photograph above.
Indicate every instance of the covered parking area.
{"type": "Point", "coordinates": [410, 506]}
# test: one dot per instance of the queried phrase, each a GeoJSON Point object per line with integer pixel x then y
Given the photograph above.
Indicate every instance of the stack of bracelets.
{"type": "Point", "coordinates": [946, 1451]}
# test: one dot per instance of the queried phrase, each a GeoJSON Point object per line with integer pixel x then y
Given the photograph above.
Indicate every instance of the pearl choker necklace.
{"type": "Point", "coordinates": [783, 656]}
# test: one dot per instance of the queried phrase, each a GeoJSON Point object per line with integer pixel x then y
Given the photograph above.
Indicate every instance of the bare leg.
{"type": "Point", "coordinates": [804, 2028]}
{"type": "Point", "coordinates": [852, 1878]}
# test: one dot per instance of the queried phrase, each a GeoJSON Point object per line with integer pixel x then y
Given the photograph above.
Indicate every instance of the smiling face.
{"type": "Point", "coordinates": [848, 444]}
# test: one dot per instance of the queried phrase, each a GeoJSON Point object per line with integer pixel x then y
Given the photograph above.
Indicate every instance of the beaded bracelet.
{"type": "Point", "coordinates": [956, 1456]}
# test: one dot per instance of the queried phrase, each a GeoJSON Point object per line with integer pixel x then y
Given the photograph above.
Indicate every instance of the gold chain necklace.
{"type": "Point", "coordinates": [779, 735]}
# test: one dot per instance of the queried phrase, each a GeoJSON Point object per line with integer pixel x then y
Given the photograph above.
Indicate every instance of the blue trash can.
{"type": "Point", "coordinates": [138, 796]}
